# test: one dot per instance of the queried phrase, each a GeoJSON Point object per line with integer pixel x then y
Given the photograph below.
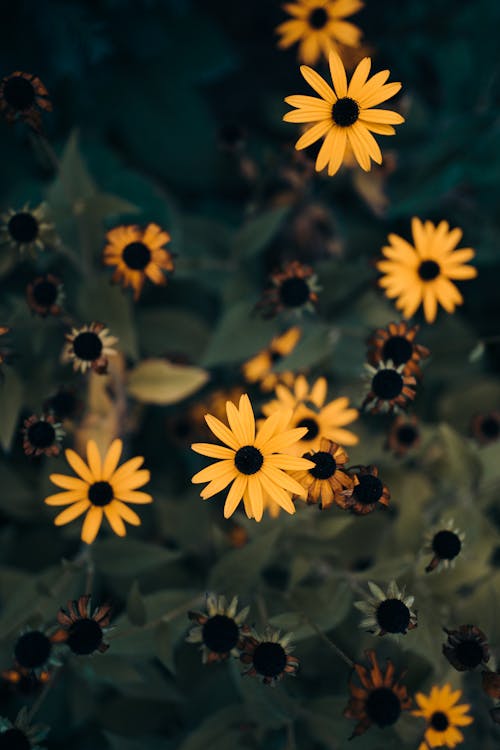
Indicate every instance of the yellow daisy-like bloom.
{"type": "Point", "coordinates": [443, 716]}
{"type": "Point", "coordinates": [420, 274]}
{"type": "Point", "coordinates": [101, 489]}
{"type": "Point", "coordinates": [310, 412]}
{"type": "Point", "coordinates": [319, 26]}
{"type": "Point", "coordinates": [345, 115]}
{"type": "Point", "coordinates": [254, 463]}
{"type": "Point", "coordinates": [259, 369]}
{"type": "Point", "coordinates": [138, 254]}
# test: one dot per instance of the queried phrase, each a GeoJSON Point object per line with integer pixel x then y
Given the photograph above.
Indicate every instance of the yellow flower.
{"type": "Point", "coordinates": [253, 463]}
{"type": "Point", "coordinates": [319, 26]}
{"type": "Point", "coordinates": [259, 369]}
{"type": "Point", "coordinates": [138, 254]}
{"type": "Point", "coordinates": [327, 478]}
{"type": "Point", "coordinates": [420, 273]}
{"type": "Point", "coordinates": [310, 412]}
{"type": "Point", "coordinates": [345, 115]}
{"type": "Point", "coordinates": [102, 489]}
{"type": "Point", "coordinates": [443, 717]}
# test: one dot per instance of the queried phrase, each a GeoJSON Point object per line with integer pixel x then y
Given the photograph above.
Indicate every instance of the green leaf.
{"type": "Point", "coordinates": [100, 300]}
{"type": "Point", "coordinates": [220, 730]}
{"type": "Point", "coordinates": [157, 381]}
{"type": "Point", "coordinates": [136, 609]}
{"type": "Point", "coordinates": [326, 606]}
{"type": "Point", "coordinates": [239, 570]}
{"type": "Point", "coordinates": [11, 401]}
{"type": "Point", "coordinates": [258, 232]}
{"type": "Point", "coordinates": [123, 557]}
{"type": "Point", "coordinates": [239, 335]}
{"type": "Point", "coordinates": [174, 330]}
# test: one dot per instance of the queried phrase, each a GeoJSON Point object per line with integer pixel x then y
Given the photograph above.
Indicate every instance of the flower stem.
{"type": "Point", "coordinates": [167, 617]}
{"type": "Point", "coordinates": [338, 651]}
{"type": "Point", "coordinates": [43, 694]}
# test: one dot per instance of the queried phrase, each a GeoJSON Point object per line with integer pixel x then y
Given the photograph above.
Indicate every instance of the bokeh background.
{"type": "Point", "coordinates": [172, 112]}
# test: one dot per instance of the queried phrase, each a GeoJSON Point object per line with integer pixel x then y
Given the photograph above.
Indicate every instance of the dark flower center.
{"type": "Point", "coordinates": [407, 434]}
{"type": "Point", "coordinates": [45, 293]}
{"type": "Point", "coordinates": [446, 544]}
{"type": "Point", "coordinates": [469, 653]}
{"type": "Point", "coordinates": [369, 490]}
{"type": "Point", "coordinates": [23, 227]}
{"type": "Point", "coordinates": [32, 649]}
{"type": "Point", "coordinates": [490, 427]}
{"type": "Point", "coordinates": [439, 721]}
{"type": "Point", "coordinates": [19, 93]}
{"type": "Point", "coordinates": [85, 636]}
{"type": "Point", "coordinates": [269, 659]}
{"type": "Point", "coordinates": [41, 434]}
{"type": "Point", "coordinates": [398, 349]}
{"type": "Point", "coordinates": [345, 112]}
{"type": "Point", "coordinates": [294, 292]}
{"type": "Point", "coordinates": [312, 428]}
{"type": "Point", "coordinates": [387, 384]}
{"type": "Point", "coordinates": [325, 465]}
{"type": "Point", "coordinates": [87, 346]}
{"type": "Point", "coordinates": [14, 739]}
{"type": "Point", "coordinates": [220, 634]}
{"type": "Point", "coordinates": [136, 255]}
{"type": "Point", "coordinates": [275, 356]}
{"type": "Point", "coordinates": [100, 493]}
{"type": "Point", "coordinates": [248, 459]}
{"type": "Point", "coordinates": [383, 707]}
{"type": "Point", "coordinates": [393, 616]}
{"type": "Point", "coordinates": [63, 403]}
{"type": "Point", "coordinates": [318, 18]}
{"type": "Point", "coordinates": [429, 270]}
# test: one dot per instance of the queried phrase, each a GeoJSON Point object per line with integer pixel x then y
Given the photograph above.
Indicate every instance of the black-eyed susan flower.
{"type": "Point", "coordinates": [21, 735]}
{"type": "Point", "coordinates": [45, 295]}
{"type": "Point", "coordinates": [102, 488]}
{"type": "Point", "coordinates": [443, 716]}
{"type": "Point", "coordinates": [89, 347]}
{"type": "Point", "coordinates": [138, 254]}
{"type": "Point", "coordinates": [24, 681]}
{"type": "Point", "coordinates": [369, 492]}
{"type": "Point", "coordinates": [34, 651]}
{"type": "Point", "coordinates": [422, 273]}
{"type": "Point", "coordinates": [268, 656]}
{"type": "Point", "coordinates": [23, 97]}
{"type": "Point", "coordinates": [80, 630]}
{"type": "Point", "coordinates": [220, 630]}
{"type": "Point", "coordinates": [294, 289]}
{"type": "Point", "coordinates": [27, 230]}
{"type": "Point", "coordinates": [444, 543]}
{"type": "Point", "coordinates": [327, 478]}
{"type": "Point", "coordinates": [42, 435]}
{"type": "Point", "coordinates": [466, 648]}
{"type": "Point", "coordinates": [346, 114]}
{"type": "Point", "coordinates": [319, 26]}
{"type": "Point", "coordinates": [379, 700]}
{"type": "Point", "coordinates": [259, 369]}
{"type": "Point", "coordinates": [397, 343]}
{"type": "Point", "coordinates": [388, 612]}
{"type": "Point", "coordinates": [253, 463]}
{"type": "Point", "coordinates": [485, 428]}
{"type": "Point", "coordinates": [390, 388]}
{"type": "Point", "coordinates": [310, 411]}
{"type": "Point", "coordinates": [404, 435]}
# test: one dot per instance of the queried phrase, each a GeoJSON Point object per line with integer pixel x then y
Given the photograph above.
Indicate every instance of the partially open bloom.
{"type": "Point", "coordinates": [89, 347]}
{"type": "Point", "coordinates": [21, 735]}
{"type": "Point", "coordinates": [80, 630]}
{"type": "Point", "coordinates": [45, 295]}
{"type": "Point", "coordinates": [294, 289]}
{"type": "Point", "coordinates": [220, 630]}
{"type": "Point", "coordinates": [388, 612]}
{"type": "Point", "coordinates": [259, 369]}
{"type": "Point", "coordinates": [23, 97]}
{"type": "Point", "coordinates": [138, 254]}
{"type": "Point", "coordinates": [390, 388]}
{"type": "Point", "coordinates": [444, 543]}
{"type": "Point", "coordinates": [396, 342]}
{"type": "Point", "coordinates": [485, 428]}
{"type": "Point", "coordinates": [310, 411]}
{"type": "Point", "coordinates": [443, 716]}
{"type": "Point", "coordinates": [346, 114]}
{"type": "Point", "coordinates": [42, 435]}
{"type": "Point", "coordinates": [319, 26]}
{"type": "Point", "coordinates": [27, 230]}
{"type": "Point", "coordinates": [268, 656]}
{"type": "Point", "coordinates": [327, 478]}
{"type": "Point", "coordinates": [253, 463]}
{"type": "Point", "coordinates": [368, 493]}
{"type": "Point", "coordinates": [466, 648]}
{"type": "Point", "coordinates": [404, 435]}
{"type": "Point", "coordinates": [24, 681]}
{"type": "Point", "coordinates": [421, 274]}
{"type": "Point", "coordinates": [102, 488]}
{"type": "Point", "coordinates": [379, 700]}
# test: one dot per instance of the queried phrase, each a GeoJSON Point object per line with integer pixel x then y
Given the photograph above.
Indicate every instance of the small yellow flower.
{"type": "Point", "coordinates": [101, 489]}
{"type": "Point", "coordinates": [443, 716]}
{"type": "Point", "coordinates": [259, 369]}
{"type": "Point", "coordinates": [420, 274]}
